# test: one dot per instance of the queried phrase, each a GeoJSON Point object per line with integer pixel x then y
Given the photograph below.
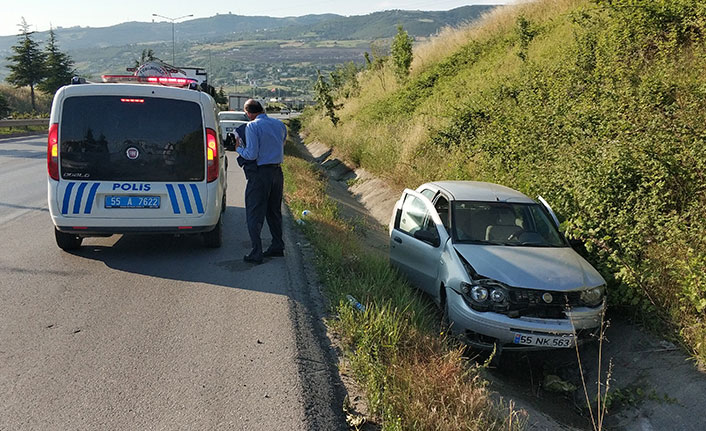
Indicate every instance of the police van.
{"type": "Point", "coordinates": [135, 154]}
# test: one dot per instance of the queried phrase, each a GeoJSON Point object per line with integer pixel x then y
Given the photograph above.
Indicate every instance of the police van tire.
{"type": "Point", "coordinates": [214, 238]}
{"type": "Point", "coordinates": [67, 241]}
{"type": "Point", "coordinates": [223, 204]}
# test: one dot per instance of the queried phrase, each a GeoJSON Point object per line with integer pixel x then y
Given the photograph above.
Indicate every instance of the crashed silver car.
{"type": "Point", "coordinates": [495, 262]}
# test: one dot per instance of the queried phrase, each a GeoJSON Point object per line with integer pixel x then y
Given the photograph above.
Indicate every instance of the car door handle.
{"type": "Point", "coordinates": [397, 240]}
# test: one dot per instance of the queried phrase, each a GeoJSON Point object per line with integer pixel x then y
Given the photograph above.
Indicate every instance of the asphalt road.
{"type": "Point", "coordinates": [152, 332]}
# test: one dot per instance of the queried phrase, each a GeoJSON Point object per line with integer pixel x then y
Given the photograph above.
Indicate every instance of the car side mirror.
{"type": "Point", "coordinates": [431, 238]}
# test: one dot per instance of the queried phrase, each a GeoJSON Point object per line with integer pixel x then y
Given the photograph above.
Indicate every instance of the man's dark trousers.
{"type": "Point", "coordinates": [263, 201]}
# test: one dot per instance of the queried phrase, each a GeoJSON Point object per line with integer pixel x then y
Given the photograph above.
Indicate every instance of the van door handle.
{"type": "Point", "coordinates": [398, 240]}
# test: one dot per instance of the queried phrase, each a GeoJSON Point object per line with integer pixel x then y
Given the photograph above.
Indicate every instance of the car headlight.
{"type": "Point", "coordinates": [497, 295]}
{"type": "Point", "coordinates": [592, 297]}
{"type": "Point", "coordinates": [486, 295]}
{"type": "Point", "coordinates": [479, 293]}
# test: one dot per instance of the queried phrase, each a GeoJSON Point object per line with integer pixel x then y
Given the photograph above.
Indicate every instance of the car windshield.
{"type": "Point", "coordinates": [502, 223]}
{"type": "Point", "coordinates": [232, 117]}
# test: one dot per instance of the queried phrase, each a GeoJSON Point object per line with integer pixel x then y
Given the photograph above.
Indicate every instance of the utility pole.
{"type": "Point", "coordinates": [172, 20]}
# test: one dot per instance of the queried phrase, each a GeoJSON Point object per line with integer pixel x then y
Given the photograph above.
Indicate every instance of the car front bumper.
{"type": "Point", "coordinates": [498, 328]}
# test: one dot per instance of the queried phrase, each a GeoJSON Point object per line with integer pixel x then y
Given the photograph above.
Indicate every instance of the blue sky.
{"type": "Point", "coordinates": [40, 14]}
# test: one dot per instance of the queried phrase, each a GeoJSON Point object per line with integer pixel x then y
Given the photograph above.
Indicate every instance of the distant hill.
{"type": "Point", "coordinates": [238, 27]}
{"type": "Point", "coordinates": [127, 33]}
{"type": "Point", "coordinates": [381, 24]}
{"type": "Point", "coordinates": [245, 52]}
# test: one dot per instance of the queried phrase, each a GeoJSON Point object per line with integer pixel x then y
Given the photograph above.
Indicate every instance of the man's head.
{"type": "Point", "coordinates": [253, 108]}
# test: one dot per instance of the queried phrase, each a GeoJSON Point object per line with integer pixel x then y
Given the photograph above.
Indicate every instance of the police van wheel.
{"type": "Point", "coordinates": [223, 203]}
{"type": "Point", "coordinates": [67, 241]}
{"type": "Point", "coordinates": [214, 238]}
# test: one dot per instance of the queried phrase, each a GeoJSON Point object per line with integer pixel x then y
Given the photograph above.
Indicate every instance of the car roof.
{"type": "Point", "coordinates": [139, 90]}
{"type": "Point", "coordinates": [478, 191]}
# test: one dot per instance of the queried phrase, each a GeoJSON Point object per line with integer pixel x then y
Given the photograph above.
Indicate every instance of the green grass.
{"type": "Point", "coordinates": [600, 108]}
{"type": "Point", "coordinates": [413, 379]}
{"type": "Point", "coordinates": [4, 131]}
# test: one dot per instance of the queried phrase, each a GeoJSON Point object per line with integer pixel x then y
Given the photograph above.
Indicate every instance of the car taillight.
{"type": "Point", "coordinates": [212, 155]}
{"type": "Point", "coordinates": [53, 152]}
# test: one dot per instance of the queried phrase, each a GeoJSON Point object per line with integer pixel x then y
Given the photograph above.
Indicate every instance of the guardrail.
{"type": "Point", "coordinates": [26, 122]}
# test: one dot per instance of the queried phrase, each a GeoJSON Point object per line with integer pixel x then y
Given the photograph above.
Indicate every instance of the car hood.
{"type": "Point", "coordinates": [545, 268]}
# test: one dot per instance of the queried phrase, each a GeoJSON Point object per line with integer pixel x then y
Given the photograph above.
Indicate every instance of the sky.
{"type": "Point", "coordinates": [41, 14]}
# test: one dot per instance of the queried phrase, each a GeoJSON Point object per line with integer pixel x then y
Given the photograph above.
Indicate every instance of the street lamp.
{"type": "Point", "coordinates": [172, 20]}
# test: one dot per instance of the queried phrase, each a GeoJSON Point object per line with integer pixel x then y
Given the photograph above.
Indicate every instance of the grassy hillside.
{"type": "Point", "coordinates": [598, 105]}
{"type": "Point", "coordinates": [19, 101]}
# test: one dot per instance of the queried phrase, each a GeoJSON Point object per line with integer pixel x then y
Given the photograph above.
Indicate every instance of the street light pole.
{"type": "Point", "coordinates": [172, 20]}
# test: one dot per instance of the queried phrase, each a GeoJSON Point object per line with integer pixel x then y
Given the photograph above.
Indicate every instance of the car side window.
{"type": "Point", "coordinates": [415, 216]}
{"type": "Point", "coordinates": [429, 194]}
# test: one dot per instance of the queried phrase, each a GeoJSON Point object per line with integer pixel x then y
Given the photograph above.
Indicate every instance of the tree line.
{"type": "Point", "coordinates": [344, 79]}
{"type": "Point", "coordinates": [46, 69]}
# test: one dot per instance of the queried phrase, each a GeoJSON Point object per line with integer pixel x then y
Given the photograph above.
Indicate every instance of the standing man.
{"type": "Point", "coordinates": [264, 144]}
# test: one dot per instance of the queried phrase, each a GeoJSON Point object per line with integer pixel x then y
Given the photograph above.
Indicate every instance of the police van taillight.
{"type": "Point", "coordinates": [53, 152]}
{"type": "Point", "coordinates": [211, 155]}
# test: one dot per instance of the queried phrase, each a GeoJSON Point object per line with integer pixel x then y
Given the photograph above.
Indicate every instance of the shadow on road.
{"type": "Point", "coordinates": [185, 258]}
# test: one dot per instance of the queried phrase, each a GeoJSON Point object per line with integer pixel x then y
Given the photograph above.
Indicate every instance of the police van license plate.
{"type": "Point", "coordinates": [132, 201]}
{"type": "Point", "coordinates": [543, 341]}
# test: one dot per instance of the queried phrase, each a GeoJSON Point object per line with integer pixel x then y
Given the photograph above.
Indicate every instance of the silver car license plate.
{"type": "Point", "coordinates": [544, 341]}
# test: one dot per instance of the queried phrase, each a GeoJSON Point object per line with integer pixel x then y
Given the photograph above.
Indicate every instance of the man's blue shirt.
{"type": "Point", "coordinates": [264, 137]}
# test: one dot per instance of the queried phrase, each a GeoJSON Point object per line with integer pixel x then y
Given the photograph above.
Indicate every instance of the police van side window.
{"type": "Point", "coordinates": [131, 139]}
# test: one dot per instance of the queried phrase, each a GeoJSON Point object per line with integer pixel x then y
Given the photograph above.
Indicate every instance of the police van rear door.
{"type": "Point", "coordinates": [131, 157]}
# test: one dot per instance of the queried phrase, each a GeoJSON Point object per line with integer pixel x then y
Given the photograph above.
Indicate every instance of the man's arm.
{"type": "Point", "coordinates": [251, 150]}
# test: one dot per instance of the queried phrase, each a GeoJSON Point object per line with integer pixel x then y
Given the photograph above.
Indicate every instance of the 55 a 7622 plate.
{"type": "Point", "coordinates": [132, 201]}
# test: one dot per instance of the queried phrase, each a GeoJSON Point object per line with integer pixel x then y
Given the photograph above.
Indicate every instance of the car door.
{"type": "Point", "coordinates": [417, 240]}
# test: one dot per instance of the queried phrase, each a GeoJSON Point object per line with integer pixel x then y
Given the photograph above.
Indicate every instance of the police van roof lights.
{"type": "Point", "coordinates": [160, 80]}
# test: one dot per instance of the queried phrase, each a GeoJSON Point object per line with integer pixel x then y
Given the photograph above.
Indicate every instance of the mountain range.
{"type": "Point", "coordinates": [235, 47]}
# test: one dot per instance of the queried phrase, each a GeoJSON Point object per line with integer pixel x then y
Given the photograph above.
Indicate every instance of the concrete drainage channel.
{"type": "Point", "coordinates": [653, 386]}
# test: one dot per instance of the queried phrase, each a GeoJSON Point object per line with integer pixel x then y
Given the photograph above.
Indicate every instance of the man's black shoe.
{"type": "Point", "coordinates": [249, 259]}
{"type": "Point", "coordinates": [273, 253]}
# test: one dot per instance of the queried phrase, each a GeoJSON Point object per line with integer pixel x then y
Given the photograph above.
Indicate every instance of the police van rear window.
{"type": "Point", "coordinates": [131, 139]}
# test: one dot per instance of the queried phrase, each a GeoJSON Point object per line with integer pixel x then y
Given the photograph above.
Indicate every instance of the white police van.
{"type": "Point", "coordinates": [135, 154]}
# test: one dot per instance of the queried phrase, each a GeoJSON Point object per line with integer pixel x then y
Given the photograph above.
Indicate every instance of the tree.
{"type": "Point", "coordinates": [221, 97]}
{"type": "Point", "coordinates": [525, 33]}
{"type": "Point", "coordinates": [4, 107]}
{"type": "Point", "coordinates": [58, 66]}
{"type": "Point", "coordinates": [27, 65]}
{"type": "Point", "coordinates": [322, 94]}
{"type": "Point", "coordinates": [402, 53]}
{"type": "Point", "coordinates": [344, 80]}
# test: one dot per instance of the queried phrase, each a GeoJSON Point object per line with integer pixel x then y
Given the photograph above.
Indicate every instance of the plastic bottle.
{"type": "Point", "coordinates": [354, 302]}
